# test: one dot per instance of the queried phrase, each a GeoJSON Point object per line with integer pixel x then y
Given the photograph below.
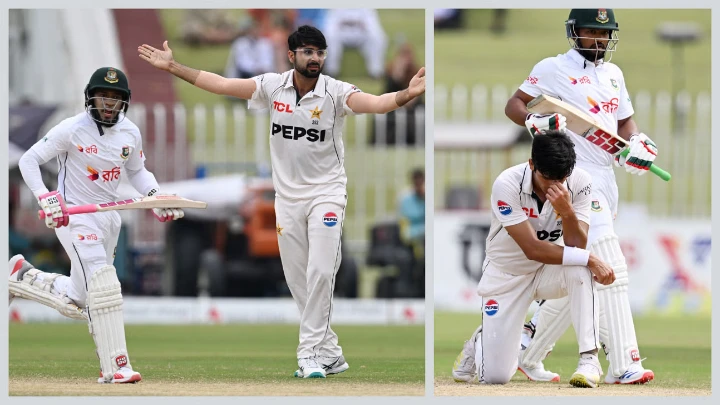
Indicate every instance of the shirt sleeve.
{"type": "Point", "coordinates": [136, 161]}
{"type": "Point", "coordinates": [583, 196]}
{"type": "Point", "coordinates": [505, 202]}
{"type": "Point", "coordinates": [344, 92]}
{"type": "Point", "coordinates": [540, 80]}
{"type": "Point", "coordinates": [56, 142]}
{"type": "Point", "coordinates": [264, 84]}
{"type": "Point", "coordinates": [625, 107]}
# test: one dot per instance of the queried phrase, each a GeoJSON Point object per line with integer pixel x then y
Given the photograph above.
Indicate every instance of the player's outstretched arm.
{"type": "Point", "coordinates": [363, 103]}
{"type": "Point", "coordinates": [163, 59]}
{"type": "Point", "coordinates": [549, 253]}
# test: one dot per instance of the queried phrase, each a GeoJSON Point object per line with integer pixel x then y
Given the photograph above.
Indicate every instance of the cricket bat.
{"type": "Point", "coordinates": [160, 201]}
{"type": "Point", "coordinates": [584, 125]}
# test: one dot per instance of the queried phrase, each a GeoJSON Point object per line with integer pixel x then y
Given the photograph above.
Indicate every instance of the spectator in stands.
{"type": "Point", "coordinates": [311, 16]}
{"type": "Point", "coordinates": [412, 208]}
{"type": "Point", "coordinates": [499, 19]}
{"type": "Point", "coordinates": [398, 73]}
{"type": "Point", "coordinates": [448, 18]}
{"type": "Point", "coordinates": [355, 28]}
{"type": "Point", "coordinates": [250, 54]}
{"type": "Point", "coordinates": [411, 280]}
{"type": "Point", "coordinates": [212, 27]}
{"type": "Point", "coordinates": [276, 25]}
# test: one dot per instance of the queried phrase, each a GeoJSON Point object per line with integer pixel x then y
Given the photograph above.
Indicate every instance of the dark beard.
{"type": "Point", "coordinates": [591, 54]}
{"type": "Point", "coordinates": [305, 72]}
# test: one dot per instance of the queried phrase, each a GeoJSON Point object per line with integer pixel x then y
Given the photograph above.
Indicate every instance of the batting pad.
{"type": "Point", "coordinates": [553, 320]}
{"type": "Point", "coordinates": [43, 292]}
{"type": "Point", "coordinates": [104, 303]}
{"type": "Point", "coordinates": [617, 331]}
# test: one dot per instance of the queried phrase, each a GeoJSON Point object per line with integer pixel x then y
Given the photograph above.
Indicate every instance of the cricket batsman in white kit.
{"type": "Point", "coordinates": [307, 111]}
{"type": "Point", "coordinates": [585, 78]}
{"type": "Point", "coordinates": [94, 149]}
{"type": "Point", "coordinates": [535, 205]}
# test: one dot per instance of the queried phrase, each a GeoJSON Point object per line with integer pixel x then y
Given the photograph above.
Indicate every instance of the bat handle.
{"type": "Point", "coordinates": [657, 170]}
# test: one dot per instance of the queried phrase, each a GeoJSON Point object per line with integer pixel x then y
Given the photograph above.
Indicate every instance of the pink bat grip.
{"type": "Point", "coordinates": [81, 209]}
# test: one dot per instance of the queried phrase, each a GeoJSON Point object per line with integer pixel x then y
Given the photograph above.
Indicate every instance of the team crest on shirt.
{"type": "Point", "coordinates": [504, 208]}
{"type": "Point", "coordinates": [614, 84]}
{"type": "Point", "coordinates": [595, 206]}
{"type": "Point", "coordinates": [491, 307]}
{"type": "Point", "coordinates": [278, 229]}
{"type": "Point", "coordinates": [125, 153]}
{"type": "Point", "coordinates": [315, 113]}
{"type": "Point", "coordinates": [602, 16]}
{"type": "Point", "coordinates": [330, 219]}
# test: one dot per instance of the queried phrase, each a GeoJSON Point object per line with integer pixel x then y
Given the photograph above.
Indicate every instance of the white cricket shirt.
{"type": "Point", "coordinates": [306, 144]}
{"type": "Point", "coordinates": [598, 90]}
{"type": "Point", "coordinates": [512, 202]}
{"type": "Point", "coordinates": [90, 164]}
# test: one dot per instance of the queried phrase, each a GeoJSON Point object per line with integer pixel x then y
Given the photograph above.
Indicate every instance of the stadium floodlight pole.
{"type": "Point", "coordinates": [678, 35]}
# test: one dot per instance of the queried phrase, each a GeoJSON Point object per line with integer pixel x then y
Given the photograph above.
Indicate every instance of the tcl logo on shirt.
{"type": "Point", "coordinates": [282, 107]}
{"type": "Point", "coordinates": [295, 133]}
{"type": "Point", "coordinates": [530, 212]}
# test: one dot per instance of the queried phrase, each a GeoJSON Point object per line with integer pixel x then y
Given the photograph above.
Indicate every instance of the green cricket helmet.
{"type": "Point", "coordinates": [592, 18]}
{"type": "Point", "coordinates": [104, 110]}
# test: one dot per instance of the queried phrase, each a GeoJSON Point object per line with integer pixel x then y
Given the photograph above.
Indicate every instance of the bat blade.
{"type": "Point", "coordinates": [161, 201]}
{"type": "Point", "coordinates": [586, 126]}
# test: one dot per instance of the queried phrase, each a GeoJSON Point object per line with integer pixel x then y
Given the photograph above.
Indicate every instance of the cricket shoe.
{"type": "Point", "coordinates": [464, 368]}
{"type": "Point", "coordinates": [333, 365]}
{"type": "Point", "coordinates": [635, 374]}
{"type": "Point", "coordinates": [309, 368]}
{"type": "Point", "coordinates": [536, 372]}
{"type": "Point", "coordinates": [124, 375]}
{"type": "Point", "coordinates": [588, 372]}
{"type": "Point", "coordinates": [18, 267]}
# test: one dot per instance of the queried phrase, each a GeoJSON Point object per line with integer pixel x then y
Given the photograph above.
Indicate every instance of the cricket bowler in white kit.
{"type": "Point", "coordinates": [535, 205]}
{"type": "Point", "coordinates": [94, 149]}
{"type": "Point", "coordinates": [307, 111]}
{"type": "Point", "coordinates": [584, 79]}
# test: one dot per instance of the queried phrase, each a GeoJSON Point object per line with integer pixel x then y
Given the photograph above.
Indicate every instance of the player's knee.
{"type": "Point", "coordinates": [577, 275]}
{"type": "Point", "coordinates": [498, 376]}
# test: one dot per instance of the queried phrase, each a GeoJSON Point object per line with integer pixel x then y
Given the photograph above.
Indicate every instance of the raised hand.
{"type": "Point", "coordinates": [161, 59]}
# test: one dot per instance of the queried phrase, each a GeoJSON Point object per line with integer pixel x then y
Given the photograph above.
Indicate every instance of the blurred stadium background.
{"type": "Point", "coordinates": [207, 147]}
{"type": "Point", "coordinates": [481, 58]}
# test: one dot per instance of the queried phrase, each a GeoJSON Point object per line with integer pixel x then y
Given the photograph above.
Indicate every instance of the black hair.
{"type": "Point", "coordinates": [306, 35]}
{"type": "Point", "coordinates": [417, 174]}
{"type": "Point", "coordinates": [553, 155]}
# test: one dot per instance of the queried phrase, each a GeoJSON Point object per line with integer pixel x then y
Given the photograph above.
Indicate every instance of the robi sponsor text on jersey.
{"type": "Point", "coordinates": [598, 90]}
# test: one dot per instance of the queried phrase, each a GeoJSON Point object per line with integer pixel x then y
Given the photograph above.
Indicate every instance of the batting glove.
{"type": "Point", "coordinates": [640, 157]}
{"type": "Point", "coordinates": [167, 214]}
{"type": "Point", "coordinates": [541, 123]}
{"type": "Point", "coordinates": [56, 213]}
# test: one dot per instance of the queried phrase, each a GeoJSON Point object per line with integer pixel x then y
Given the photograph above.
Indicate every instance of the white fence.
{"type": "Point", "coordinates": [220, 139]}
{"type": "Point", "coordinates": [683, 142]}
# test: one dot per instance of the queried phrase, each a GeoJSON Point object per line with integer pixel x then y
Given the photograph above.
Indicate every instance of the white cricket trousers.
{"type": "Point", "coordinates": [90, 241]}
{"type": "Point", "coordinates": [506, 298]}
{"type": "Point", "coordinates": [309, 232]}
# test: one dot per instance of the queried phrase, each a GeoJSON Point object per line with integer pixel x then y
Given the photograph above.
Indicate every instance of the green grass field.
{"type": "Point", "coordinates": [475, 55]}
{"type": "Point", "coordinates": [677, 350]}
{"type": "Point", "coordinates": [215, 360]}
